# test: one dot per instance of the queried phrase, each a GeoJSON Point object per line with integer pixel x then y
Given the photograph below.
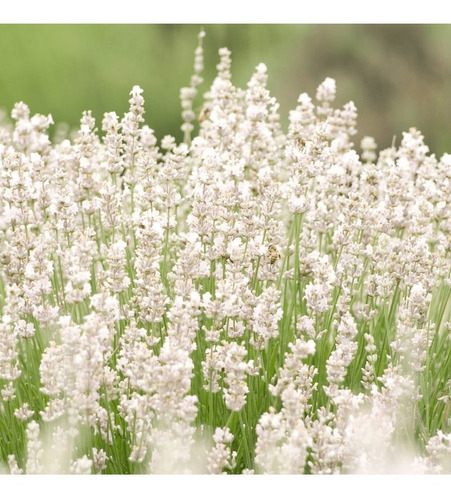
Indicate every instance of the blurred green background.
{"type": "Point", "coordinates": [398, 75]}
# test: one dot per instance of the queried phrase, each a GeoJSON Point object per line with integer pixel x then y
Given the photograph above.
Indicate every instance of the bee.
{"type": "Point", "coordinates": [5, 259]}
{"type": "Point", "coordinates": [300, 141]}
{"type": "Point", "coordinates": [273, 254]}
{"type": "Point", "coordinates": [203, 115]}
{"type": "Point", "coordinates": [226, 257]}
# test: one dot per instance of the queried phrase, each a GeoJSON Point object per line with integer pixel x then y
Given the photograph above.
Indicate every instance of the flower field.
{"type": "Point", "coordinates": [249, 301]}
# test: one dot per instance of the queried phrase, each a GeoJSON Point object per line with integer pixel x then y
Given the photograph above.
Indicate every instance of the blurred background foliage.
{"type": "Point", "coordinates": [398, 75]}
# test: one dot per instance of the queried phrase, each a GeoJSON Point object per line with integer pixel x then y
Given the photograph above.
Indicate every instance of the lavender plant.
{"type": "Point", "coordinates": [246, 301]}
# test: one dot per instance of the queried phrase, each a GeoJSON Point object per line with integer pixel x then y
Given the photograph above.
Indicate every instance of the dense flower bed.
{"type": "Point", "coordinates": [246, 301]}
